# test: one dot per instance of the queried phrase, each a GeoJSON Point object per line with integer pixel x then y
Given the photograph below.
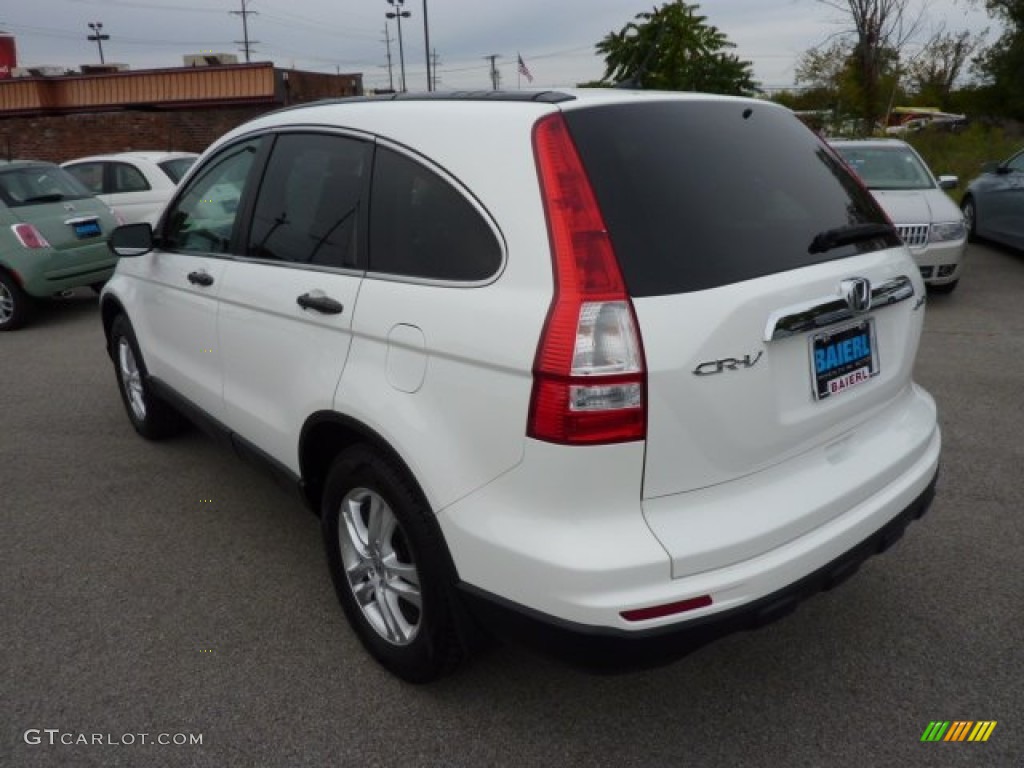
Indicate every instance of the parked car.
{"type": "Point", "coordinates": [612, 373]}
{"type": "Point", "coordinates": [928, 221]}
{"type": "Point", "coordinates": [993, 204]}
{"type": "Point", "coordinates": [53, 237]}
{"type": "Point", "coordinates": [136, 184]}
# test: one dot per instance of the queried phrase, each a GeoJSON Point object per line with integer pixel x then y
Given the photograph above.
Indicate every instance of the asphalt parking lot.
{"type": "Point", "coordinates": [170, 590]}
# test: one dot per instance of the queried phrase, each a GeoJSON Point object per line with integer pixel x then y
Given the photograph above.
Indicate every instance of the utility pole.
{"type": "Point", "coordinates": [434, 61]}
{"type": "Point", "coordinates": [387, 42]}
{"type": "Point", "coordinates": [98, 37]}
{"type": "Point", "coordinates": [246, 44]}
{"type": "Point", "coordinates": [495, 76]}
{"type": "Point", "coordinates": [399, 14]}
{"type": "Point", "coordinates": [426, 47]}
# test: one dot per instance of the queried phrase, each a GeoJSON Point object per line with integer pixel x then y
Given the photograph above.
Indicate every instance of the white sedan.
{"type": "Point", "coordinates": [136, 184]}
{"type": "Point", "coordinates": [928, 221]}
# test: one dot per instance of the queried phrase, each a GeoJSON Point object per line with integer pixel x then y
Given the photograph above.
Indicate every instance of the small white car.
{"type": "Point", "coordinates": [137, 185]}
{"type": "Point", "coordinates": [929, 222]}
{"type": "Point", "coordinates": [611, 373]}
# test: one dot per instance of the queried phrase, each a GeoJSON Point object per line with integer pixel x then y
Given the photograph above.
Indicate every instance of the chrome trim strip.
{"type": "Point", "coordinates": [829, 310]}
{"type": "Point", "coordinates": [82, 219]}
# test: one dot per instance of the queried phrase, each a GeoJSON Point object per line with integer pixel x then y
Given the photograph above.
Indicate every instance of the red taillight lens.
{"type": "Point", "coordinates": [589, 377]}
{"type": "Point", "coordinates": [29, 236]}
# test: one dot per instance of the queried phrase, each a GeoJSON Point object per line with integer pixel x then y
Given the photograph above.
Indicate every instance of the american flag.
{"type": "Point", "coordinates": [523, 69]}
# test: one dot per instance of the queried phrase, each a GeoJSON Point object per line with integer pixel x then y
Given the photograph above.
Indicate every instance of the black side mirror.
{"type": "Point", "coordinates": [131, 239]}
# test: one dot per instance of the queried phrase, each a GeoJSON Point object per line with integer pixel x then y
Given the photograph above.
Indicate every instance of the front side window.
{"type": "Point", "coordinates": [421, 226]}
{"type": "Point", "coordinates": [203, 217]}
{"type": "Point", "coordinates": [89, 174]}
{"type": "Point", "coordinates": [310, 204]}
{"type": "Point", "coordinates": [1016, 162]}
{"type": "Point", "coordinates": [127, 178]}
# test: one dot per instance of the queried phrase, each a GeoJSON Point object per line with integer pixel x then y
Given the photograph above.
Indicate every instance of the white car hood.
{"type": "Point", "coordinates": [919, 206]}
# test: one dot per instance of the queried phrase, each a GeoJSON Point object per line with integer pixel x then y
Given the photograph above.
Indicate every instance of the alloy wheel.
{"type": "Point", "coordinates": [379, 566]}
{"type": "Point", "coordinates": [131, 379]}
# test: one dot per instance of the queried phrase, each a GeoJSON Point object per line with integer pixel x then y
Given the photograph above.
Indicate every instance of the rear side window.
{"type": "Point", "coordinates": [127, 178]}
{"type": "Point", "coordinates": [701, 194]}
{"type": "Point", "coordinates": [309, 209]}
{"type": "Point", "coordinates": [176, 168]}
{"type": "Point", "coordinates": [421, 226]}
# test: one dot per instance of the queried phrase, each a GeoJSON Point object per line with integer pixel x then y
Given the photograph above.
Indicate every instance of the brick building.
{"type": "Point", "coordinates": [185, 109]}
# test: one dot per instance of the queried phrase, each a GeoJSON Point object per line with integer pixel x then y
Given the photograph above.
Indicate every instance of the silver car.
{"type": "Point", "coordinates": [926, 219]}
{"type": "Point", "coordinates": [993, 205]}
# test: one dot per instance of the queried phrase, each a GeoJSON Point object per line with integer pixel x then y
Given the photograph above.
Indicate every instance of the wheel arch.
{"type": "Point", "coordinates": [109, 310]}
{"type": "Point", "coordinates": [324, 435]}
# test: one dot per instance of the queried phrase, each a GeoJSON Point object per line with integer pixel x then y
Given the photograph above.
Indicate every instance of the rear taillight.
{"type": "Point", "coordinates": [589, 378]}
{"type": "Point", "coordinates": [29, 236]}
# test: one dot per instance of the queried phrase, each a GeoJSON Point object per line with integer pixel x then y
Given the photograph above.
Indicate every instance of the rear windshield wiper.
{"type": "Point", "coordinates": [53, 197]}
{"type": "Point", "coordinates": [851, 233]}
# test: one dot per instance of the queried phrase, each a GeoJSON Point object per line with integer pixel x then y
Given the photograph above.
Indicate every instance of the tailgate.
{"type": "Point", "coordinates": [748, 375]}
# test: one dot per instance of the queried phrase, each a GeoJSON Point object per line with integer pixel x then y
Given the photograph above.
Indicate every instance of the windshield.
{"type": "Point", "coordinates": [176, 168]}
{"type": "Point", "coordinates": [887, 167]}
{"type": "Point", "coordinates": [38, 184]}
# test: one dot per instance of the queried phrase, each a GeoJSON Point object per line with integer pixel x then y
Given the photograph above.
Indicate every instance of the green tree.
{"type": "Point", "coordinates": [934, 71]}
{"type": "Point", "coordinates": [878, 31]}
{"type": "Point", "coordinates": [673, 48]}
{"type": "Point", "coordinates": [1002, 65]}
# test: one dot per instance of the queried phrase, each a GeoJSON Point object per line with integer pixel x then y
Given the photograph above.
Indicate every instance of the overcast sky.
{"type": "Point", "coordinates": [555, 37]}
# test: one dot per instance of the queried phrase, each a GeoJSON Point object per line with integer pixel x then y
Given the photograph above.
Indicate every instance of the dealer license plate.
{"type": "Point", "coordinates": [843, 359]}
{"type": "Point", "coordinates": [84, 229]}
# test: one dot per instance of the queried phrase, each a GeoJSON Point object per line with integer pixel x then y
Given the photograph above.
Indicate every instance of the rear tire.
{"type": "Point", "coordinates": [152, 418]}
{"type": "Point", "coordinates": [15, 305]}
{"type": "Point", "coordinates": [390, 569]}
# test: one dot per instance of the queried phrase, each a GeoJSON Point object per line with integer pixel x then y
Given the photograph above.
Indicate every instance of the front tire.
{"type": "Point", "coordinates": [944, 287]}
{"type": "Point", "coordinates": [152, 417]}
{"type": "Point", "coordinates": [970, 211]}
{"type": "Point", "coordinates": [15, 305]}
{"type": "Point", "coordinates": [389, 567]}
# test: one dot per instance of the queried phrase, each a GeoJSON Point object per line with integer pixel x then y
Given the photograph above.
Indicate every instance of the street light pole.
{"type": "Point", "coordinates": [426, 46]}
{"type": "Point", "coordinates": [399, 14]}
{"type": "Point", "coordinates": [97, 37]}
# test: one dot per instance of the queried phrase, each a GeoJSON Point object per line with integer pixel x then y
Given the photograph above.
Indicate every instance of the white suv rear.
{"type": "Point", "coordinates": [610, 373]}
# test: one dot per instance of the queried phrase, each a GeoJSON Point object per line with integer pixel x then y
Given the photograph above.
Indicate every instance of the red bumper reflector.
{"type": "Point", "coordinates": [657, 611]}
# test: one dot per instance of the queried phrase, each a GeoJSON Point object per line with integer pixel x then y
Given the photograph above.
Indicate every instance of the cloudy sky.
{"type": "Point", "coordinates": [555, 37]}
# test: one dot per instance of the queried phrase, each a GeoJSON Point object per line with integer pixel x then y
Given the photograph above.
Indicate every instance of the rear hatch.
{"type": "Point", "coordinates": [74, 222]}
{"type": "Point", "coordinates": [750, 254]}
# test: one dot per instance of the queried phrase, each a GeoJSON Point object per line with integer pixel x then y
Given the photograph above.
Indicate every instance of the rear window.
{"type": "Point", "coordinates": [39, 184]}
{"type": "Point", "coordinates": [702, 194]}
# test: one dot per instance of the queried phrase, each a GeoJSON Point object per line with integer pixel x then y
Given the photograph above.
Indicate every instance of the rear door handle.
{"type": "Point", "coordinates": [320, 303]}
{"type": "Point", "coordinates": [200, 278]}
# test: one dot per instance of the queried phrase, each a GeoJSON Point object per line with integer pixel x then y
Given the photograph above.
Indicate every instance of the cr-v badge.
{"type": "Point", "coordinates": [712, 367]}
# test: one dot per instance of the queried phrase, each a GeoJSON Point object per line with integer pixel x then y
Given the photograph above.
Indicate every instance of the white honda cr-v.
{"type": "Point", "coordinates": [609, 373]}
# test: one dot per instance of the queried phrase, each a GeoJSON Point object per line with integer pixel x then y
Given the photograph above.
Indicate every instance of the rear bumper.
{"type": "Point", "coordinates": [607, 648]}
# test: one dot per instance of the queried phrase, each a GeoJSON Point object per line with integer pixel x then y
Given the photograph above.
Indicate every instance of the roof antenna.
{"type": "Point", "coordinates": [634, 80]}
